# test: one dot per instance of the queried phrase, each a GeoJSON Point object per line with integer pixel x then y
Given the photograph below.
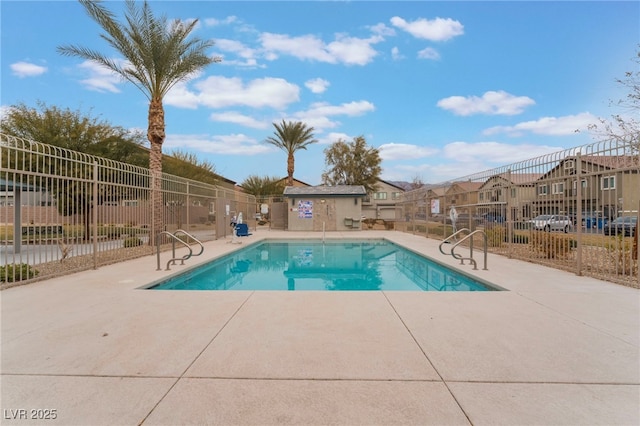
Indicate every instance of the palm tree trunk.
{"type": "Point", "coordinates": [156, 136]}
{"type": "Point", "coordinates": [290, 162]}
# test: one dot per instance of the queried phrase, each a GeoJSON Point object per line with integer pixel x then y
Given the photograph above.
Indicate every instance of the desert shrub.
{"type": "Point", "coordinates": [12, 272]}
{"type": "Point", "coordinates": [132, 242]}
{"type": "Point", "coordinates": [496, 235]}
{"type": "Point", "coordinates": [620, 251]}
{"type": "Point", "coordinates": [552, 246]}
{"type": "Point", "coordinates": [520, 239]}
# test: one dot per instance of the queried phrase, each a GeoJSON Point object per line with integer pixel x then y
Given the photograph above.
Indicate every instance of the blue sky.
{"type": "Point", "coordinates": [443, 89]}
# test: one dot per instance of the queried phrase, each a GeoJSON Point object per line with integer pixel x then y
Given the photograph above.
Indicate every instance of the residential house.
{"type": "Point", "coordinates": [508, 195]}
{"type": "Point", "coordinates": [381, 204]}
{"type": "Point", "coordinates": [464, 196]}
{"type": "Point", "coordinates": [603, 185]}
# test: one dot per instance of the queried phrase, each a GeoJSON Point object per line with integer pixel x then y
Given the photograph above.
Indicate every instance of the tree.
{"type": "Point", "coordinates": [188, 165]}
{"type": "Point", "coordinates": [75, 131]}
{"type": "Point", "coordinates": [290, 137]}
{"type": "Point", "coordinates": [262, 187]}
{"type": "Point", "coordinates": [352, 163]}
{"type": "Point", "coordinates": [416, 182]}
{"type": "Point", "coordinates": [158, 56]}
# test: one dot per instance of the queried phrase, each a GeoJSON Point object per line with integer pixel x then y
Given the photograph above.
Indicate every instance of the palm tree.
{"type": "Point", "coordinates": [290, 137]}
{"type": "Point", "coordinates": [157, 57]}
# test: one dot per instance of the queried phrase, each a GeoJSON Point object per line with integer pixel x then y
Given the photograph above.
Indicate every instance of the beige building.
{"type": "Point", "coordinates": [508, 196]}
{"type": "Point", "coordinates": [381, 204]}
{"type": "Point", "coordinates": [329, 208]}
{"type": "Point", "coordinates": [608, 186]}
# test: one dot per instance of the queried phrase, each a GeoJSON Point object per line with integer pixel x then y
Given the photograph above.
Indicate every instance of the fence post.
{"type": "Point", "coordinates": [579, 214]}
{"type": "Point", "coordinates": [94, 214]}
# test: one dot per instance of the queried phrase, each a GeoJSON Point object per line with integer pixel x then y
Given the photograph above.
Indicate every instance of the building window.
{"type": "Point", "coordinates": [380, 196]}
{"type": "Point", "coordinates": [513, 193]}
{"type": "Point", "coordinates": [396, 195]}
{"type": "Point", "coordinates": [543, 189]}
{"type": "Point", "coordinates": [608, 182]}
{"type": "Point", "coordinates": [130, 203]}
{"type": "Point", "coordinates": [481, 196]}
{"type": "Point", "coordinates": [557, 188]}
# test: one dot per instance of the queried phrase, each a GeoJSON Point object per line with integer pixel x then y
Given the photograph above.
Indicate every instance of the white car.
{"type": "Point", "coordinates": [552, 222]}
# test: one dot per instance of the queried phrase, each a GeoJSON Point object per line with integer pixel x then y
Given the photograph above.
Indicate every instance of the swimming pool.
{"type": "Point", "coordinates": [335, 265]}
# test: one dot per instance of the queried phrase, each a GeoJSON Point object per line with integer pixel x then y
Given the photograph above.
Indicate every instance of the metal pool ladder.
{"type": "Point", "coordinates": [174, 238]}
{"type": "Point", "coordinates": [458, 242]}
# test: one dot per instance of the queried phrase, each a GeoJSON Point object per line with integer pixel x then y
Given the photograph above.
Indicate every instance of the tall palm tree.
{"type": "Point", "coordinates": [158, 56]}
{"type": "Point", "coordinates": [290, 137]}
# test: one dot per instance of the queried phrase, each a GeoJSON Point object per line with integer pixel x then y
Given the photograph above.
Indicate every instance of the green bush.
{"type": "Point", "coordinates": [12, 272]}
{"type": "Point", "coordinates": [132, 242]}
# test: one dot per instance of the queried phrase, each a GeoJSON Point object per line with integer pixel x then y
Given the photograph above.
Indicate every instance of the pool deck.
{"type": "Point", "coordinates": [554, 349]}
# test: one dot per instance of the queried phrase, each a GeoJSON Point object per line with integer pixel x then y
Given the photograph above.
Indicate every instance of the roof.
{"type": "Point", "coordinates": [326, 191]}
{"type": "Point", "coordinates": [466, 185]}
{"type": "Point", "coordinates": [395, 184]}
{"type": "Point", "coordinates": [284, 180]}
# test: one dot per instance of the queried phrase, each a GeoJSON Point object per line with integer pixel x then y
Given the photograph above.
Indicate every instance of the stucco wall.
{"type": "Point", "coordinates": [309, 214]}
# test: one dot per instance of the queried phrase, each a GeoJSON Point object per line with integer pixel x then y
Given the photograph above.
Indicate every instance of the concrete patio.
{"type": "Point", "coordinates": [553, 349]}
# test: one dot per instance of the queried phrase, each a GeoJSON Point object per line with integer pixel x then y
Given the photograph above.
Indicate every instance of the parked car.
{"type": "Point", "coordinates": [552, 222]}
{"type": "Point", "coordinates": [594, 220]}
{"type": "Point", "coordinates": [625, 225]}
{"type": "Point", "coordinates": [493, 218]}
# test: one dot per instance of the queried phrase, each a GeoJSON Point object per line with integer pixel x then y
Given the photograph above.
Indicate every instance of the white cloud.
{"type": "Point", "coordinates": [212, 22]}
{"type": "Point", "coordinates": [401, 151]}
{"type": "Point", "coordinates": [556, 126]}
{"type": "Point", "coordinates": [439, 29]}
{"type": "Point", "coordinates": [493, 152]}
{"type": "Point", "coordinates": [237, 118]}
{"type": "Point", "coordinates": [429, 53]}
{"type": "Point", "coordinates": [319, 113]}
{"type": "Point", "coordinates": [382, 30]}
{"type": "Point", "coordinates": [491, 103]}
{"type": "Point", "coordinates": [347, 50]}
{"type": "Point", "coordinates": [236, 47]}
{"type": "Point", "coordinates": [101, 79]}
{"type": "Point", "coordinates": [333, 137]}
{"type": "Point", "coordinates": [222, 92]}
{"type": "Point", "coordinates": [317, 85]}
{"type": "Point", "coordinates": [235, 144]}
{"type": "Point", "coordinates": [26, 69]}
{"type": "Point", "coordinates": [395, 54]}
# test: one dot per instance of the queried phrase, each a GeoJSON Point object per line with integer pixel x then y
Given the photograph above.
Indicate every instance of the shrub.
{"type": "Point", "coordinates": [132, 242]}
{"type": "Point", "coordinates": [520, 239]}
{"type": "Point", "coordinates": [12, 272]}
{"type": "Point", "coordinates": [496, 235]}
{"type": "Point", "coordinates": [552, 246]}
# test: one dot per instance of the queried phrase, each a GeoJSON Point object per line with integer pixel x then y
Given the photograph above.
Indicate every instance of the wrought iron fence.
{"type": "Point", "coordinates": [63, 211]}
{"type": "Point", "coordinates": [575, 210]}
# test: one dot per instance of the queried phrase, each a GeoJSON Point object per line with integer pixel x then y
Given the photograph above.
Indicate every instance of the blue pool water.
{"type": "Point", "coordinates": [344, 265]}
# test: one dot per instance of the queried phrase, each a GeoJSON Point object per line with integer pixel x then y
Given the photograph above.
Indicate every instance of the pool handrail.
{"type": "Point", "coordinates": [175, 238]}
{"type": "Point", "coordinates": [182, 231]}
{"type": "Point", "coordinates": [454, 235]}
{"type": "Point", "coordinates": [469, 235]}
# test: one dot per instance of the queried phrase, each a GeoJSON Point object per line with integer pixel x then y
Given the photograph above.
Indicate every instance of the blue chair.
{"type": "Point", "coordinates": [242, 230]}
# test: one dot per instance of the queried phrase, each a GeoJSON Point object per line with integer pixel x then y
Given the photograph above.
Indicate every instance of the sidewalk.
{"type": "Point", "coordinates": [554, 349]}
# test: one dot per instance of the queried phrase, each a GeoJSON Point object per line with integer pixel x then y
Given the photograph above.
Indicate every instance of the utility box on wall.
{"type": "Point", "coordinates": [329, 208]}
